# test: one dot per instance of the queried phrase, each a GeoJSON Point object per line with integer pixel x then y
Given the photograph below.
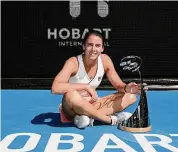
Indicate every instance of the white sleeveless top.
{"type": "Point", "coordinates": [82, 76]}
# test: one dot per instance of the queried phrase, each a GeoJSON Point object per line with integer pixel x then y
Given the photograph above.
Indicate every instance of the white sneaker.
{"type": "Point", "coordinates": [118, 118]}
{"type": "Point", "coordinates": [83, 121]}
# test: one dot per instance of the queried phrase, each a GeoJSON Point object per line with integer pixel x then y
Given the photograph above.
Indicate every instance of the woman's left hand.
{"type": "Point", "coordinates": [133, 88]}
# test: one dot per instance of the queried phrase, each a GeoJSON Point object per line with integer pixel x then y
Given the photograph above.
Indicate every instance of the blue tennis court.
{"type": "Point", "coordinates": [31, 122]}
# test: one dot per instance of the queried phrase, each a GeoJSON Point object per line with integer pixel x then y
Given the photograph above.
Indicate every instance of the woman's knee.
{"type": "Point", "coordinates": [132, 98]}
{"type": "Point", "coordinates": [70, 94]}
{"type": "Point", "coordinates": [73, 97]}
{"type": "Point", "coordinates": [129, 98]}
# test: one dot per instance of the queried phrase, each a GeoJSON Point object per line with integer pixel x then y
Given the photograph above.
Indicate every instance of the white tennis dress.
{"type": "Point", "coordinates": [82, 76]}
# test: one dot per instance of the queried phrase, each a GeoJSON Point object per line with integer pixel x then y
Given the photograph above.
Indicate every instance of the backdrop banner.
{"type": "Point", "coordinates": [38, 37]}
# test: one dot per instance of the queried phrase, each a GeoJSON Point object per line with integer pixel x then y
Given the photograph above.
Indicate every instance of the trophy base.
{"type": "Point", "coordinates": [130, 129]}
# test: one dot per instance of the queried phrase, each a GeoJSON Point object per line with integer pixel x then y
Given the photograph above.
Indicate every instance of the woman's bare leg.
{"type": "Point", "coordinates": [75, 104]}
{"type": "Point", "coordinates": [113, 103]}
{"type": "Point", "coordinates": [80, 106]}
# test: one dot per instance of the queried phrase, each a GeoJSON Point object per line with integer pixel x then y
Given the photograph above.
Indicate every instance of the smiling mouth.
{"type": "Point", "coordinates": [93, 53]}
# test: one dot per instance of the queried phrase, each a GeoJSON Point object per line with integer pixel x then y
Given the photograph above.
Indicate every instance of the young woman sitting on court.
{"type": "Point", "coordinates": [79, 78]}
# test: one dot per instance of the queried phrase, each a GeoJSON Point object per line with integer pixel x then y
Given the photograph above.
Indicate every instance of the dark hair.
{"type": "Point", "coordinates": [93, 32]}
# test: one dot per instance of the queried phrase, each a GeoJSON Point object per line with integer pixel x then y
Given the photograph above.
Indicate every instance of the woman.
{"type": "Point", "coordinates": [79, 78]}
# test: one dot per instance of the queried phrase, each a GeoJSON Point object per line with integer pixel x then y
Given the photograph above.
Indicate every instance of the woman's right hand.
{"type": "Point", "coordinates": [92, 93]}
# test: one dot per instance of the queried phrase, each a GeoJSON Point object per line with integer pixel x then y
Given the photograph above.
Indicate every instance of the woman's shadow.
{"type": "Point", "coordinates": [50, 119]}
{"type": "Point", "coordinates": [53, 119]}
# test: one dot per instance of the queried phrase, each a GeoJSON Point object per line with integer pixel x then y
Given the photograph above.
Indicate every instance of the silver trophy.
{"type": "Point", "coordinates": [139, 121]}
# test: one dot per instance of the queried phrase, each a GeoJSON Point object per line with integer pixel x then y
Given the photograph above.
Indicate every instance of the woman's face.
{"type": "Point", "coordinates": [93, 47]}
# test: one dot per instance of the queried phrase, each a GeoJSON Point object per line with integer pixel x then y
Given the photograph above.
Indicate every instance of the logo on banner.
{"type": "Point", "coordinates": [73, 37]}
{"type": "Point", "coordinates": [102, 8]}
